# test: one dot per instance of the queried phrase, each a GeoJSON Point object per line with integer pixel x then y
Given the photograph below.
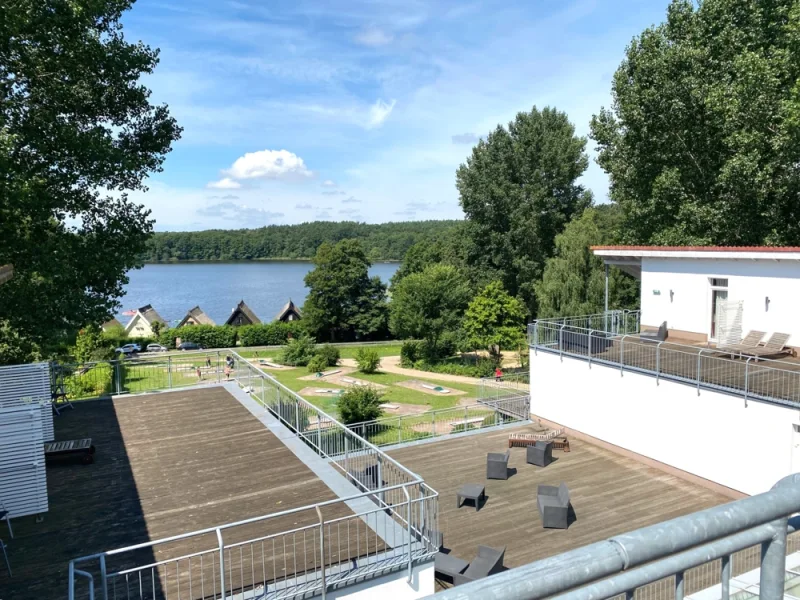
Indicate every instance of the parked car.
{"type": "Point", "coordinates": [190, 346]}
{"type": "Point", "coordinates": [128, 349]}
{"type": "Point", "coordinates": [156, 348]}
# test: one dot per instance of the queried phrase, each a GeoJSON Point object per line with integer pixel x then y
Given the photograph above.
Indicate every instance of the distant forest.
{"type": "Point", "coordinates": [385, 241]}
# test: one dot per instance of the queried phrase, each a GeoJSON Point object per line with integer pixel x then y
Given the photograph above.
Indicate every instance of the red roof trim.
{"type": "Point", "coordinates": [702, 248]}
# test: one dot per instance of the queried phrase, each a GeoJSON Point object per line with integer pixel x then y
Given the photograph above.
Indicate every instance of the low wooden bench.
{"type": "Point", "coordinates": [82, 448]}
{"type": "Point", "coordinates": [521, 440]}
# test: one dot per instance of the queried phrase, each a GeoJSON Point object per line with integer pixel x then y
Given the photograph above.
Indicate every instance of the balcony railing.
{"type": "Point", "coordinates": [666, 561]}
{"type": "Point", "coordinates": [703, 368]}
{"type": "Point", "coordinates": [493, 412]}
{"type": "Point", "coordinates": [393, 525]}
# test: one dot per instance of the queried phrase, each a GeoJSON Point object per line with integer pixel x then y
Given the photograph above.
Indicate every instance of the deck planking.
{"type": "Point", "coordinates": [610, 494]}
{"type": "Point", "coordinates": [167, 464]}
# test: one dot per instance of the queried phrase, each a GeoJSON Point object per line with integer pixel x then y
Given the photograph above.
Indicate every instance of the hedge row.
{"type": "Point", "coordinates": [218, 336]}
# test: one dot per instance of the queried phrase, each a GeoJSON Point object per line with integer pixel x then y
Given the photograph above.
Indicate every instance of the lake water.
{"type": "Point", "coordinates": [216, 287]}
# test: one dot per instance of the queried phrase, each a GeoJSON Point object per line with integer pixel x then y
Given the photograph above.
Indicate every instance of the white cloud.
{"type": "Point", "coordinates": [329, 183]}
{"type": "Point", "coordinates": [226, 183]}
{"type": "Point", "coordinates": [373, 36]}
{"type": "Point", "coordinates": [269, 164]}
{"type": "Point", "coordinates": [379, 112]}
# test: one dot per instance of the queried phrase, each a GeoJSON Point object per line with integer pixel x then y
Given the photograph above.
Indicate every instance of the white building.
{"type": "Point", "coordinates": [141, 324]}
{"type": "Point", "coordinates": [685, 287]}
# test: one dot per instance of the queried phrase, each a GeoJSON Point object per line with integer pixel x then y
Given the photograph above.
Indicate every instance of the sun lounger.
{"type": "Point", "coordinates": [750, 341]}
{"type": "Point", "coordinates": [774, 346]}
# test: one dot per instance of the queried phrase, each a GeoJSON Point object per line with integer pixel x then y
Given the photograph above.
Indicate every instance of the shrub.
{"type": "Point", "coordinates": [90, 382]}
{"type": "Point", "coordinates": [483, 367]}
{"type": "Point", "coordinates": [269, 334]}
{"type": "Point", "coordinates": [317, 364]}
{"type": "Point", "coordinates": [167, 338]}
{"type": "Point", "coordinates": [368, 360]}
{"type": "Point", "coordinates": [410, 352]}
{"type": "Point", "coordinates": [359, 403]}
{"type": "Point", "coordinates": [330, 354]}
{"type": "Point", "coordinates": [208, 336]}
{"type": "Point", "coordinates": [299, 351]}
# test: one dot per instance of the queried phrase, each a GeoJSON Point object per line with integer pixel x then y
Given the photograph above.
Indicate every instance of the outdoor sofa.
{"type": "Point", "coordinates": [488, 562]}
{"type": "Point", "coordinates": [553, 503]}
{"type": "Point", "coordinates": [540, 454]}
{"type": "Point", "coordinates": [655, 336]}
{"type": "Point", "coordinates": [497, 465]}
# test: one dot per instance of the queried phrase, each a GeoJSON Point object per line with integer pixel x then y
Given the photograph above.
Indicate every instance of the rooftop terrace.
{"type": "Point", "coordinates": [610, 494]}
{"type": "Point", "coordinates": [166, 464]}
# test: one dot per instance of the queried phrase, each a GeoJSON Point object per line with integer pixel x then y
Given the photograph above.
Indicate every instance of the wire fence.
{"type": "Point", "coordinates": [703, 368]}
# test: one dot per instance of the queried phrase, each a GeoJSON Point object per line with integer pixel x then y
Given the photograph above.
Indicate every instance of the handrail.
{"type": "Point", "coordinates": [605, 569]}
{"type": "Point", "coordinates": [763, 379]}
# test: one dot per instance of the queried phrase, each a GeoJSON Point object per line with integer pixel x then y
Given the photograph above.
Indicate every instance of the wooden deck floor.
{"type": "Point", "coordinates": [166, 464]}
{"type": "Point", "coordinates": [610, 494]}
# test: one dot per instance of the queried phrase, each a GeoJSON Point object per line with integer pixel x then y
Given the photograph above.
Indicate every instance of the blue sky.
{"type": "Point", "coordinates": [360, 110]}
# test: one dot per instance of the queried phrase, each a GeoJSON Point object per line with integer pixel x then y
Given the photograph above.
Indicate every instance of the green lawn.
{"type": "Point", "coordinates": [388, 349]}
{"type": "Point", "coordinates": [291, 379]}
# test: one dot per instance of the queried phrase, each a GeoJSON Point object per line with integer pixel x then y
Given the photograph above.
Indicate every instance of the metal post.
{"type": "Point", "coordinates": [346, 454]}
{"type": "Point", "coordinates": [773, 563]}
{"type": "Point", "coordinates": [621, 355]}
{"type": "Point", "coordinates": [297, 418]}
{"type": "Point", "coordinates": [561, 343]}
{"type": "Point", "coordinates": [535, 336]}
{"type": "Point", "coordinates": [746, 378]}
{"type": "Point", "coordinates": [658, 363]}
{"type": "Point", "coordinates": [433, 423]}
{"type": "Point", "coordinates": [380, 478]}
{"type": "Point", "coordinates": [319, 434]}
{"type": "Point", "coordinates": [399, 430]}
{"type": "Point", "coordinates": [103, 576]}
{"type": "Point", "coordinates": [321, 551]}
{"type": "Point", "coordinates": [590, 348]}
{"type": "Point", "coordinates": [699, 355]}
{"type": "Point", "coordinates": [263, 393]}
{"type": "Point", "coordinates": [679, 586]}
{"type": "Point", "coordinates": [606, 299]}
{"type": "Point", "coordinates": [219, 375]}
{"type": "Point", "coordinates": [726, 577]}
{"type": "Point", "coordinates": [117, 379]}
{"type": "Point", "coordinates": [221, 563]}
{"type": "Point", "coordinates": [408, 524]}
{"type": "Point", "coordinates": [629, 593]}
{"type": "Point", "coordinates": [169, 372]}
{"type": "Point", "coordinates": [466, 416]}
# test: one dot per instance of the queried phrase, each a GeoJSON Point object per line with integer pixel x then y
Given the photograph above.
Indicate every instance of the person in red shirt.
{"type": "Point", "coordinates": [498, 374]}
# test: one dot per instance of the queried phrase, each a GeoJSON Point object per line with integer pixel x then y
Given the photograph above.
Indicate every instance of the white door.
{"type": "Point", "coordinates": [795, 448]}
{"type": "Point", "coordinates": [719, 293]}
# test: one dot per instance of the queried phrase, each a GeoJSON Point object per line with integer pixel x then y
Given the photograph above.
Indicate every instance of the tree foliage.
{"type": "Point", "coordinates": [495, 320]}
{"type": "Point", "coordinates": [75, 123]}
{"type": "Point", "coordinates": [383, 241]}
{"type": "Point", "coordinates": [358, 404]}
{"type": "Point", "coordinates": [703, 136]}
{"type": "Point", "coordinates": [343, 301]}
{"type": "Point", "coordinates": [368, 360]}
{"type": "Point", "coordinates": [428, 304]}
{"type": "Point", "coordinates": [574, 279]}
{"type": "Point", "coordinates": [518, 190]}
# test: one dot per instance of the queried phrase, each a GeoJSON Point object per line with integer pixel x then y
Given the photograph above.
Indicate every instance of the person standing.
{"type": "Point", "coordinates": [498, 374]}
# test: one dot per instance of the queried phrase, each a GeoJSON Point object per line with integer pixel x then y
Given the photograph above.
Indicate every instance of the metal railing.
{"type": "Point", "coordinates": [666, 561]}
{"type": "Point", "coordinates": [703, 368]}
{"type": "Point", "coordinates": [388, 431]}
{"type": "Point", "coordinates": [146, 373]}
{"type": "Point", "coordinates": [391, 524]}
{"type": "Point", "coordinates": [510, 384]}
{"type": "Point", "coordinates": [618, 322]}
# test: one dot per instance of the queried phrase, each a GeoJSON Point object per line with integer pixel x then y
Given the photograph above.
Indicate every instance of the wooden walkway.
{"type": "Point", "coordinates": [166, 464]}
{"type": "Point", "coordinates": [610, 494]}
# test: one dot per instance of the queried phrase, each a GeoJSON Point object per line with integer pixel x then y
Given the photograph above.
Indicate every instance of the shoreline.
{"type": "Point", "coordinates": [252, 260]}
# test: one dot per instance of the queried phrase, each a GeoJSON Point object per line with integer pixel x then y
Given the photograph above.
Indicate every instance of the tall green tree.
{"type": "Point", "coordinates": [75, 125]}
{"type": "Point", "coordinates": [702, 140]}
{"type": "Point", "coordinates": [343, 301]}
{"type": "Point", "coordinates": [494, 320]}
{"type": "Point", "coordinates": [574, 279]}
{"type": "Point", "coordinates": [518, 190]}
{"type": "Point", "coordinates": [429, 304]}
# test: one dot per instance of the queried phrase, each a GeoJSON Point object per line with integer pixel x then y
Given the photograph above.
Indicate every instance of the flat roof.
{"type": "Point", "coordinates": [610, 494]}
{"type": "Point", "coordinates": [166, 464]}
{"type": "Point", "coordinates": [695, 252]}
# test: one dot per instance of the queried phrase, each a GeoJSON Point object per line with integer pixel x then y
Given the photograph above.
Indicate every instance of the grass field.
{"type": "Point", "coordinates": [349, 351]}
